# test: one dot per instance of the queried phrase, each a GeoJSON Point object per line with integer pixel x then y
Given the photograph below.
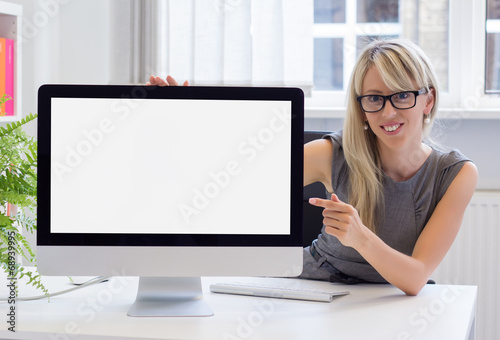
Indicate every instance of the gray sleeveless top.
{"type": "Point", "coordinates": [408, 207]}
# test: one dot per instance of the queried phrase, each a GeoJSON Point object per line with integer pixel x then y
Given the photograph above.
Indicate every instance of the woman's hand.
{"type": "Point", "coordinates": [342, 221]}
{"type": "Point", "coordinates": [169, 81]}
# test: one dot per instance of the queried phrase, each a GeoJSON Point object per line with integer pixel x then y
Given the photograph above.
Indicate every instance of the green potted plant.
{"type": "Point", "coordinates": [18, 166]}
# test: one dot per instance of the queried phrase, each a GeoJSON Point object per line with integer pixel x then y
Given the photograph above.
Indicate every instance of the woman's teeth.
{"type": "Point", "coordinates": [392, 127]}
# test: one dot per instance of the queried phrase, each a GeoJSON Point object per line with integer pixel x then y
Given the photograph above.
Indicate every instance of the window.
{"type": "Point", "coordinates": [474, 38]}
{"type": "Point", "coordinates": [343, 27]}
{"type": "Point", "coordinates": [220, 42]}
{"type": "Point", "coordinates": [462, 39]}
{"type": "Point", "coordinates": [493, 47]}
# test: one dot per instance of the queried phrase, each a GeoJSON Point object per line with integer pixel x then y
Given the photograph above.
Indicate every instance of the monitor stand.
{"type": "Point", "coordinates": [170, 296]}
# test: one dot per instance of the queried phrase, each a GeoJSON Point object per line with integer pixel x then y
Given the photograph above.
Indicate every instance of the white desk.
{"type": "Point", "coordinates": [369, 312]}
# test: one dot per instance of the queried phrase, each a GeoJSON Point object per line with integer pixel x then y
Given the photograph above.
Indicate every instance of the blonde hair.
{"type": "Point", "coordinates": [402, 65]}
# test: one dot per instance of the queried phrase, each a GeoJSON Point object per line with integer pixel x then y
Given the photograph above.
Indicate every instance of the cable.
{"type": "Point", "coordinates": [90, 282]}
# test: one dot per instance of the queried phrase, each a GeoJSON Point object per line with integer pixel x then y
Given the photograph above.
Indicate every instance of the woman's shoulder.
{"type": "Point", "coordinates": [447, 164]}
{"type": "Point", "coordinates": [445, 158]}
{"type": "Point", "coordinates": [335, 137]}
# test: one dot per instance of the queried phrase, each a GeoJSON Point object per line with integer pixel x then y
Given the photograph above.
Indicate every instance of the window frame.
{"type": "Point", "coordinates": [466, 97]}
{"type": "Point", "coordinates": [331, 104]}
{"type": "Point", "coordinates": [492, 26]}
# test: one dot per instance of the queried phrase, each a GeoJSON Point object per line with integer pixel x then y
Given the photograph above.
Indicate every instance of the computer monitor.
{"type": "Point", "coordinates": [169, 184]}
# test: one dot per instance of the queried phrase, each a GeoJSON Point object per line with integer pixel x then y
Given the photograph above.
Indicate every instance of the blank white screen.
{"type": "Point", "coordinates": [164, 166]}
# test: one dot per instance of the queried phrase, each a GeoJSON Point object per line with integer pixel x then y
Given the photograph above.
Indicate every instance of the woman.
{"type": "Point", "coordinates": [396, 203]}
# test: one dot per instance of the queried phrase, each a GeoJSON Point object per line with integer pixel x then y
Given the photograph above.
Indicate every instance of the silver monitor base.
{"type": "Point", "coordinates": [170, 296]}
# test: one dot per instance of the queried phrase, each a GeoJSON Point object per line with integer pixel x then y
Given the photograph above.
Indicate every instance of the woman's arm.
{"type": "Point", "coordinates": [408, 273]}
{"type": "Point", "coordinates": [318, 156]}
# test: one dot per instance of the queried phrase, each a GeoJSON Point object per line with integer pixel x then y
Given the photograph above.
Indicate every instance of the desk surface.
{"type": "Point", "coordinates": [369, 312]}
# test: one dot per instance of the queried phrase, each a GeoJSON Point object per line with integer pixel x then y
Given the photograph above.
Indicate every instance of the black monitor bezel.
{"type": "Point", "coordinates": [47, 92]}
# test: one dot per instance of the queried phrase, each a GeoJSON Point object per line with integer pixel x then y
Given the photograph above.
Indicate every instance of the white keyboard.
{"type": "Point", "coordinates": [276, 292]}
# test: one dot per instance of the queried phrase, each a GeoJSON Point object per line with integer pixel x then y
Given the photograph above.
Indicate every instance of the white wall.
{"type": "Point", "coordinates": [64, 41]}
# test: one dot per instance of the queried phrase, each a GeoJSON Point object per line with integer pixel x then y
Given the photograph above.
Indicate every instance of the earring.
{"type": "Point", "coordinates": [427, 120]}
{"type": "Point", "coordinates": [366, 126]}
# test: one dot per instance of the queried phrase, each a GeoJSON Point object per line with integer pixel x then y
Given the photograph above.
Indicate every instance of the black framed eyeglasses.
{"type": "Point", "coordinates": [401, 100]}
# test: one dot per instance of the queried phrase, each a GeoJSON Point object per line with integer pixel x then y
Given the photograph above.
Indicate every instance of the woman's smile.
{"type": "Point", "coordinates": [392, 128]}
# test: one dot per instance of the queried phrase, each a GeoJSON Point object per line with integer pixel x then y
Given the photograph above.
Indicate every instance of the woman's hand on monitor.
{"type": "Point", "coordinates": [169, 81]}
